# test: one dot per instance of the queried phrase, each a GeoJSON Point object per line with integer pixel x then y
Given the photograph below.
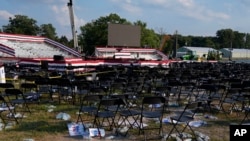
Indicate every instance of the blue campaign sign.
{"type": "Point", "coordinates": [239, 132]}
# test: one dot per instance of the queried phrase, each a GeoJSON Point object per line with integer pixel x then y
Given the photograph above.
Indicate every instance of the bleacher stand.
{"type": "Point", "coordinates": [35, 47]}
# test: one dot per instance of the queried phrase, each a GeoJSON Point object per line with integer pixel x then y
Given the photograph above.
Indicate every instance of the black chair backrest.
{"type": "Point", "coordinates": [153, 100]}
{"type": "Point", "coordinates": [13, 91]}
{"type": "Point", "coordinates": [6, 85]}
{"type": "Point", "coordinates": [105, 104]}
{"type": "Point", "coordinates": [42, 81]}
{"type": "Point", "coordinates": [89, 98]}
{"type": "Point", "coordinates": [28, 85]}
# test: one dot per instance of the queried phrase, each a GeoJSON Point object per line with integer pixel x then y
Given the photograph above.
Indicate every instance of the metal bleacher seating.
{"type": "Point", "coordinates": [34, 49]}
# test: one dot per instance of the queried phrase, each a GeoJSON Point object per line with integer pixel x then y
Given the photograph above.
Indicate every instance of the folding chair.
{"type": "Point", "coordinates": [80, 89]}
{"type": "Point", "coordinates": [7, 112]}
{"type": "Point", "coordinates": [16, 97]}
{"type": "Point", "coordinates": [89, 106]}
{"type": "Point", "coordinates": [30, 92]}
{"type": "Point", "coordinates": [229, 102]}
{"type": "Point", "coordinates": [6, 86]}
{"type": "Point", "coordinates": [104, 113]}
{"type": "Point", "coordinates": [152, 107]}
{"type": "Point", "coordinates": [43, 87]}
{"type": "Point", "coordinates": [65, 91]}
{"type": "Point", "coordinates": [128, 115]}
{"type": "Point", "coordinates": [185, 117]}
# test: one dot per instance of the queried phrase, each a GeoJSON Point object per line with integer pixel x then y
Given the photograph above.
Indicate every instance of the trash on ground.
{"type": "Point", "coordinates": [96, 132]}
{"type": "Point", "coordinates": [75, 129]}
{"type": "Point", "coordinates": [63, 116]}
{"type": "Point", "coordinates": [210, 117]}
{"type": "Point", "coordinates": [197, 123]}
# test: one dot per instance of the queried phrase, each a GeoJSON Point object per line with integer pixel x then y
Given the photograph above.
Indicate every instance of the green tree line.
{"type": "Point", "coordinates": [95, 33]}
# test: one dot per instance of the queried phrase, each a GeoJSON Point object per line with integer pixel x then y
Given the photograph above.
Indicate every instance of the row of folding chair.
{"type": "Point", "coordinates": [14, 105]}
{"type": "Point", "coordinates": [116, 112]}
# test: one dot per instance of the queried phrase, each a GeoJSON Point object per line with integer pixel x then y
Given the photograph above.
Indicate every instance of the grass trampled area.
{"type": "Point", "coordinates": [42, 125]}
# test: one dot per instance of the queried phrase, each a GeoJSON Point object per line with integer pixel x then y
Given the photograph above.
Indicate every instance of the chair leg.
{"type": "Point", "coordinates": [79, 118]}
{"type": "Point", "coordinates": [245, 116]}
{"type": "Point", "coordinates": [171, 131]}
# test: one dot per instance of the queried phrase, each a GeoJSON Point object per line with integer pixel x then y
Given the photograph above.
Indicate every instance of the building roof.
{"type": "Point", "coordinates": [239, 50]}
{"type": "Point", "coordinates": [199, 49]}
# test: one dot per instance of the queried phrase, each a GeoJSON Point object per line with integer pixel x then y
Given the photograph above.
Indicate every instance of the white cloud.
{"type": "Point", "coordinates": [187, 3]}
{"type": "Point", "coordinates": [128, 6]}
{"type": "Point", "coordinates": [202, 13]}
{"type": "Point", "coordinates": [131, 8]}
{"type": "Point", "coordinates": [190, 9]}
{"type": "Point", "coordinates": [5, 15]}
{"type": "Point", "coordinates": [61, 13]}
{"type": "Point", "coordinates": [62, 16]}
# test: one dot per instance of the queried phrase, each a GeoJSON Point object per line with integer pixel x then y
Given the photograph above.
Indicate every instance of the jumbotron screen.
{"type": "Point", "coordinates": [124, 35]}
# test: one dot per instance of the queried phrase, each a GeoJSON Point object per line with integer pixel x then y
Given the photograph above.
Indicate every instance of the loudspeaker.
{"type": "Point", "coordinates": [58, 58]}
{"type": "Point", "coordinates": [44, 65]}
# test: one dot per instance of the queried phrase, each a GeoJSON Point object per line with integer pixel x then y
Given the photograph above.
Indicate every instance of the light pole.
{"type": "Point", "coordinates": [176, 43]}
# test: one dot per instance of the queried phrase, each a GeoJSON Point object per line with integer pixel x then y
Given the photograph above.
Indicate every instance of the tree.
{"type": "Point", "coordinates": [213, 55]}
{"type": "Point", "coordinates": [239, 40]}
{"type": "Point", "coordinates": [47, 30]}
{"type": "Point", "coordinates": [247, 40]}
{"type": "Point", "coordinates": [64, 40]}
{"type": "Point", "coordinates": [225, 38]}
{"type": "Point", "coordinates": [148, 37]}
{"type": "Point", "coordinates": [96, 32]}
{"type": "Point", "coordinates": [21, 24]}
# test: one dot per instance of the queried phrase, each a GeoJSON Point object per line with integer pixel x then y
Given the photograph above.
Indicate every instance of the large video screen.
{"type": "Point", "coordinates": [124, 35]}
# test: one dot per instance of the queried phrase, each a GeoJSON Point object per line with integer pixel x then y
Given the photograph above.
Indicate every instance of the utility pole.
{"type": "Point", "coordinates": [72, 22]}
{"type": "Point", "coordinates": [176, 43]}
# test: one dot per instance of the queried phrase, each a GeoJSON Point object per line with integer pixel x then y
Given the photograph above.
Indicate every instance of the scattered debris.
{"type": "Point", "coordinates": [75, 129]}
{"type": "Point", "coordinates": [201, 137]}
{"type": "Point", "coordinates": [197, 123]}
{"type": "Point", "coordinates": [210, 117]}
{"type": "Point", "coordinates": [188, 137]}
{"type": "Point", "coordinates": [28, 140]}
{"type": "Point", "coordinates": [63, 116]}
{"type": "Point", "coordinates": [51, 108]}
{"type": "Point", "coordinates": [95, 132]}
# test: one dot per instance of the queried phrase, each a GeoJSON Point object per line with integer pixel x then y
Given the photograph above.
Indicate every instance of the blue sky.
{"type": "Point", "coordinates": [188, 17]}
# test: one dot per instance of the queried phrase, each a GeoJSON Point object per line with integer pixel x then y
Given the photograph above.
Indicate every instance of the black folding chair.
{"type": "Point", "coordinates": [43, 87]}
{"type": "Point", "coordinates": [7, 112]}
{"type": "Point", "coordinates": [152, 107]}
{"type": "Point", "coordinates": [30, 92]}
{"type": "Point", "coordinates": [185, 116]}
{"type": "Point", "coordinates": [128, 115]}
{"type": "Point", "coordinates": [88, 107]}
{"type": "Point", "coordinates": [16, 97]}
{"type": "Point", "coordinates": [4, 86]}
{"type": "Point", "coordinates": [104, 113]}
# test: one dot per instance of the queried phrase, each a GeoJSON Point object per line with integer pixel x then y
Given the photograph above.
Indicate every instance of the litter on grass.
{"type": "Point", "coordinates": [63, 116]}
